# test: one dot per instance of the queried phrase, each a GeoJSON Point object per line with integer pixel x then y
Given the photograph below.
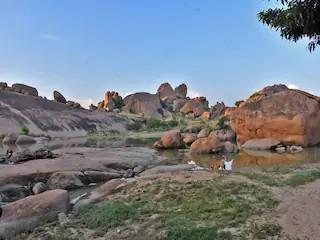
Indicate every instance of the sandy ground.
{"type": "Point", "coordinates": [299, 211]}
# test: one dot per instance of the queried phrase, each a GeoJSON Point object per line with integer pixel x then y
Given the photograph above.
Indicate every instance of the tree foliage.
{"type": "Point", "coordinates": [296, 19]}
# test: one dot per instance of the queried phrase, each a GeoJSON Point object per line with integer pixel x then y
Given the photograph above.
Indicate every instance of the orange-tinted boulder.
{"type": "Point", "coordinates": [166, 92]}
{"type": "Point", "coordinates": [290, 116]}
{"type": "Point", "coordinates": [195, 107]}
{"type": "Point", "coordinates": [171, 139]}
{"type": "Point", "coordinates": [189, 138]}
{"type": "Point", "coordinates": [205, 145]}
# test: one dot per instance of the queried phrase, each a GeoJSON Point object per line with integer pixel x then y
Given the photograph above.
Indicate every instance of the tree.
{"type": "Point", "coordinates": [296, 19]}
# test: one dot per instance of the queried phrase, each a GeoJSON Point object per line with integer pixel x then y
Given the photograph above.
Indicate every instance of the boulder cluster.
{"type": "Point", "coordinates": [162, 104]}
{"type": "Point", "coordinates": [200, 141]}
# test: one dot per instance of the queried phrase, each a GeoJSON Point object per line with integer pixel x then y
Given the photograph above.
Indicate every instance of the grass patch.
{"type": "Point", "coordinates": [302, 178]}
{"type": "Point", "coordinates": [266, 230]}
{"type": "Point", "coordinates": [271, 181]}
{"type": "Point", "coordinates": [106, 216]}
{"type": "Point", "coordinates": [24, 131]}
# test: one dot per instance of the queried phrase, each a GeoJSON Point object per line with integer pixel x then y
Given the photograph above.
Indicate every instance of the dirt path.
{"type": "Point", "coordinates": [299, 211]}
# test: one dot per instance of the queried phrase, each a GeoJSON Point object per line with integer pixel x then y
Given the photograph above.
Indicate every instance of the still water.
{"type": "Point", "coordinates": [245, 158]}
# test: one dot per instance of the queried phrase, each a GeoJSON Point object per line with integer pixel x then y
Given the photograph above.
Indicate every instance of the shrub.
{"type": "Point", "coordinates": [24, 131]}
{"type": "Point", "coordinates": [222, 123]}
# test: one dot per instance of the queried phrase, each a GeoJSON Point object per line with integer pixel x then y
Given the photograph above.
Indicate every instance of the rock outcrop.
{"type": "Point", "coordinates": [288, 115]}
{"type": "Point", "coordinates": [166, 93]}
{"type": "Point", "coordinates": [144, 103]}
{"type": "Point", "coordinates": [57, 96]}
{"type": "Point", "coordinates": [181, 91]}
{"type": "Point", "coordinates": [195, 107]}
{"type": "Point", "coordinates": [24, 89]}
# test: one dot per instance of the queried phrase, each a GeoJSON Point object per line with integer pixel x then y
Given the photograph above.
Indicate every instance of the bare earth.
{"type": "Point", "coordinates": [299, 211]}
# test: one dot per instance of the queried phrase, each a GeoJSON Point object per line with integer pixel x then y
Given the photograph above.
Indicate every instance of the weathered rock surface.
{"type": "Point", "coordinates": [165, 91]}
{"type": "Point", "coordinates": [57, 96]}
{"type": "Point", "coordinates": [24, 139]}
{"type": "Point", "coordinates": [42, 116]}
{"type": "Point", "coordinates": [217, 110]}
{"type": "Point", "coordinates": [102, 192]}
{"type": "Point", "coordinates": [181, 91]}
{"type": "Point", "coordinates": [205, 145]}
{"type": "Point", "coordinates": [24, 89]}
{"type": "Point", "coordinates": [27, 155]}
{"type": "Point", "coordinates": [291, 116]}
{"type": "Point", "coordinates": [144, 103]}
{"type": "Point", "coordinates": [195, 107]}
{"type": "Point", "coordinates": [78, 159]}
{"type": "Point", "coordinates": [171, 139]}
{"type": "Point", "coordinates": [261, 144]}
{"type": "Point", "coordinates": [230, 147]}
{"type": "Point", "coordinates": [204, 133]}
{"type": "Point", "coordinates": [189, 138]}
{"type": "Point", "coordinates": [32, 211]}
{"type": "Point", "coordinates": [225, 135]}
{"type": "Point", "coordinates": [67, 180]}
{"type": "Point", "coordinates": [97, 176]}
{"type": "Point", "coordinates": [39, 187]}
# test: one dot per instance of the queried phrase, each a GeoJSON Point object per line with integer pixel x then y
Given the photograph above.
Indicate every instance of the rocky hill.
{"type": "Point", "coordinates": [52, 118]}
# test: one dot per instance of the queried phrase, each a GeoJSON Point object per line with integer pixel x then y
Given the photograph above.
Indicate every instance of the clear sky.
{"type": "Point", "coordinates": [85, 47]}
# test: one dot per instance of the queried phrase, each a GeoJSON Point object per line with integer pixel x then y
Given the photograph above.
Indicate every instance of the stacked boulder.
{"type": "Point", "coordinates": [58, 97]}
{"type": "Point", "coordinates": [112, 101]}
{"type": "Point", "coordinates": [19, 88]}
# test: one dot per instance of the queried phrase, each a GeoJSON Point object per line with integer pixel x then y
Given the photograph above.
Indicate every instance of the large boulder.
{"type": "Point", "coordinates": [205, 145]}
{"type": "Point", "coordinates": [67, 180]}
{"type": "Point", "coordinates": [178, 104]}
{"type": "Point", "coordinates": [98, 176]}
{"type": "Point", "coordinates": [3, 86]}
{"type": "Point", "coordinates": [195, 106]}
{"type": "Point", "coordinates": [24, 89]}
{"type": "Point", "coordinates": [30, 212]}
{"type": "Point", "coordinates": [109, 103]}
{"type": "Point", "coordinates": [181, 91]}
{"type": "Point", "coordinates": [189, 138]}
{"type": "Point", "coordinates": [58, 97]}
{"type": "Point", "coordinates": [171, 139]}
{"type": "Point", "coordinates": [290, 116]}
{"type": "Point", "coordinates": [261, 144]}
{"type": "Point", "coordinates": [217, 110]}
{"type": "Point", "coordinates": [166, 92]}
{"type": "Point", "coordinates": [144, 103]}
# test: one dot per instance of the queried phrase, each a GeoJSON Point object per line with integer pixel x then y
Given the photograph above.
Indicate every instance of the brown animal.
{"type": "Point", "coordinates": [217, 165]}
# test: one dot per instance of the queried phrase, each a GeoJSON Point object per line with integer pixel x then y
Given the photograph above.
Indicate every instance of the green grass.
{"type": "Point", "coordinates": [302, 178]}
{"type": "Point", "coordinates": [265, 230]}
{"type": "Point", "coordinates": [106, 216]}
{"type": "Point", "coordinates": [24, 131]}
{"type": "Point", "coordinates": [200, 210]}
{"type": "Point", "coordinates": [271, 181]}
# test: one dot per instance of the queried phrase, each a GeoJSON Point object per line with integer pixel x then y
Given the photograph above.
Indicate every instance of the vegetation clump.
{"type": "Point", "coordinates": [24, 130]}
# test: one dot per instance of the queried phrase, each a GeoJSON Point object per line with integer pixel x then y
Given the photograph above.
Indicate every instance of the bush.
{"type": "Point", "coordinates": [222, 123]}
{"type": "Point", "coordinates": [157, 124]}
{"type": "Point", "coordinates": [24, 131]}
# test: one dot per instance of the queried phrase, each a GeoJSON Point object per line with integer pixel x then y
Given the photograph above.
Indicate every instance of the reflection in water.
{"type": "Point", "coordinates": [245, 158]}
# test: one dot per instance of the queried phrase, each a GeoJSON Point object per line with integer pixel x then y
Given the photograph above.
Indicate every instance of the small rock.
{"type": "Point", "coordinates": [230, 147]}
{"type": "Point", "coordinates": [295, 149]}
{"type": "Point", "coordinates": [27, 155]}
{"type": "Point", "coordinates": [59, 97]}
{"type": "Point", "coordinates": [281, 149]}
{"type": "Point", "coordinates": [67, 180]}
{"type": "Point", "coordinates": [39, 187]}
{"type": "Point", "coordinates": [261, 144]}
{"type": "Point", "coordinates": [189, 138]}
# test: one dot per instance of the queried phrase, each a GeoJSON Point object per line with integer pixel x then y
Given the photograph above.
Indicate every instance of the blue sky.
{"type": "Point", "coordinates": [85, 47]}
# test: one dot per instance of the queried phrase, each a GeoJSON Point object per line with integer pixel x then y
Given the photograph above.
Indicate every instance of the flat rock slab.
{"type": "Point", "coordinates": [32, 211]}
{"type": "Point", "coordinates": [89, 159]}
{"type": "Point", "coordinates": [261, 144]}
